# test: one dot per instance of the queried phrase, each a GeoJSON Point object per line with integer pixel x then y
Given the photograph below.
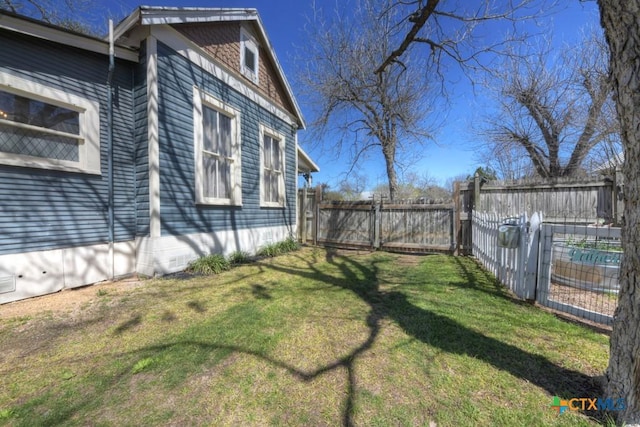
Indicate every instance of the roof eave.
{"type": "Point", "coordinates": [45, 31]}
{"type": "Point", "coordinates": [310, 165]}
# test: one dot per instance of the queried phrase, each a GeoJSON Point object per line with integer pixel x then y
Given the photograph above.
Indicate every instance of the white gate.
{"type": "Point", "coordinates": [515, 267]}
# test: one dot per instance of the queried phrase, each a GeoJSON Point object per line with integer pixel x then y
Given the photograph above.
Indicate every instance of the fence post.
{"type": "Point", "coordinates": [316, 214]}
{"type": "Point", "coordinates": [476, 192]}
{"type": "Point", "coordinates": [302, 214]}
{"type": "Point", "coordinates": [533, 250]}
{"type": "Point", "coordinates": [618, 190]}
{"type": "Point", "coordinates": [377, 223]}
{"type": "Point", "coordinates": [457, 228]}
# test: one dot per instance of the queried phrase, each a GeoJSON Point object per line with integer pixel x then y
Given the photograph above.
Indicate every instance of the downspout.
{"type": "Point", "coordinates": [111, 217]}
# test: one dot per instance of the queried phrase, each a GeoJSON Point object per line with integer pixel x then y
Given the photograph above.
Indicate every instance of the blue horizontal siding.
{"type": "Point", "coordinates": [141, 145]}
{"type": "Point", "coordinates": [178, 211]}
{"type": "Point", "coordinates": [44, 209]}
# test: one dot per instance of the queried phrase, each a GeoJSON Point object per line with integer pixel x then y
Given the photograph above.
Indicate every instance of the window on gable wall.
{"type": "Point", "coordinates": [217, 151]}
{"type": "Point", "coordinates": [47, 128]}
{"type": "Point", "coordinates": [249, 56]}
{"type": "Point", "coordinates": [272, 168]}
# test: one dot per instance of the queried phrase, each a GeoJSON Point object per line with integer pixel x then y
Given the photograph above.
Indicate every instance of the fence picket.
{"type": "Point", "coordinates": [508, 265]}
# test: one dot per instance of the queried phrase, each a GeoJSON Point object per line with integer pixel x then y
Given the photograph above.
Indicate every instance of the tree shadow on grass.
{"type": "Point", "coordinates": [472, 277]}
{"type": "Point", "coordinates": [437, 331]}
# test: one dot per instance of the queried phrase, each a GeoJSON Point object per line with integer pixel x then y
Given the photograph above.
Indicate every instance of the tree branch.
{"type": "Point", "coordinates": [419, 19]}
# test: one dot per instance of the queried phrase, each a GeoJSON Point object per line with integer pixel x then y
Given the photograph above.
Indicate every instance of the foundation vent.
{"type": "Point", "coordinates": [7, 284]}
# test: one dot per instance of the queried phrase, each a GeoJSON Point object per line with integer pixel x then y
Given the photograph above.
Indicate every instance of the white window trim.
{"type": "Point", "coordinates": [248, 42]}
{"type": "Point", "coordinates": [281, 183]}
{"type": "Point", "coordinates": [89, 138]}
{"type": "Point", "coordinates": [201, 99]}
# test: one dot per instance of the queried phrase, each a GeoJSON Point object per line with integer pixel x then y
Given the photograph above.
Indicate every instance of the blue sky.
{"type": "Point", "coordinates": [454, 153]}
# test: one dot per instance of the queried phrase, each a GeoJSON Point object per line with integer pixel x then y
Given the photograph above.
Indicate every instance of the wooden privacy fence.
{"type": "Point", "coordinates": [561, 200]}
{"type": "Point", "coordinates": [308, 200]}
{"type": "Point", "coordinates": [393, 226]}
{"type": "Point", "coordinates": [437, 227]}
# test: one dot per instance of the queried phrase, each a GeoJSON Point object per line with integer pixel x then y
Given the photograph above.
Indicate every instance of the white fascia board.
{"type": "Point", "coordinates": [306, 161]}
{"type": "Point", "coordinates": [61, 36]}
{"type": "Point", "coordinates": [185, 15]}
{"type": "Point", "coordinates": [145, 15]}
{"type": "Point", "coordinates": [126, 24]}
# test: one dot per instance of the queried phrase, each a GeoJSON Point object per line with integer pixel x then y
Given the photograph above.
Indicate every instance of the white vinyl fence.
{"type": "Point", "coordinates": [516, 266]}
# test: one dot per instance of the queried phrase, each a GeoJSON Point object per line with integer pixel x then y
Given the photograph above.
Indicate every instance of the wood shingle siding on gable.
{"type": "Point", "coordinates": [47, 209]}
{"type": "Point", "coordinates": [179, 213]}
{"type": "Point", "coordinates": [223, 43]}
{"type": "Point", "coordinates": [221, 40]}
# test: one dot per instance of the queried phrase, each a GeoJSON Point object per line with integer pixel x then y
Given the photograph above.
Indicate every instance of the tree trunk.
{"type": "Point", "coordinates": [621, 22]}
{"type": "Point", "coordinates": [389, 151]}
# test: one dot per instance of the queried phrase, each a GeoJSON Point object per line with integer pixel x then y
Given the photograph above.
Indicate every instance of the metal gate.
{"type": "Point", "coordinates": [579, 270]}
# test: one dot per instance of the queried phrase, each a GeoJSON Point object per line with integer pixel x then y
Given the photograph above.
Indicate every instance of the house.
{"type": "Point", "coordinates": [185, 146]}
{"type": "Point", "coordinates": [610, 165]}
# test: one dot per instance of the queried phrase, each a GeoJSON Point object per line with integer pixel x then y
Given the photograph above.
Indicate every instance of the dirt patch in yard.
{"type": "Point", "coordinates": [73, 300]}
{"type": "Point", "coordinates": [68, 300]}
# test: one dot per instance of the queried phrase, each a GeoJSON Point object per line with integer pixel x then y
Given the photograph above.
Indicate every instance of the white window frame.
{"type": "Point", "coordinates": [88, 138]}
{"type": "Point", "coordinates": [247, 42]}
{"type": "Point", "coordinates": [276, 136]}
{"type": "Point", "coordinates": [200, 100]}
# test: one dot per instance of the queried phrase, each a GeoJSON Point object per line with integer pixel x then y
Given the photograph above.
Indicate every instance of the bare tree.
{"type": "Point", "coordinates": [417, 187]}
{"type": "Point", "coordinates": [622, 30]}
{"type": "Point", "coordinates": [509, 162]}
{"type": "Point", "coordinates": [554, 109]}
{"type": "Point", "coordinates": [376, 113]}
{"type": "Point", "coordinates": [353, 186]}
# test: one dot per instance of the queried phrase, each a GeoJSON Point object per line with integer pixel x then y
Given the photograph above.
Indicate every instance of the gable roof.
{"type": "Point", "coordinates": [152, 15]}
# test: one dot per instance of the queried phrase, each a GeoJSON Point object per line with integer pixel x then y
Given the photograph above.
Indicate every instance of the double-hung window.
{"type": "Point", "coordinates": [217, 151]}
{"type": "Point", "coordinates": [45, 127]}
{"type": "Point", "coordinates": [272, 189]}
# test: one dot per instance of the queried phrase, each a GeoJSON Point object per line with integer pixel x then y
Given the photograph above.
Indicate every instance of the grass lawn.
{"type": "Point", "coordinates": [314, 337]}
